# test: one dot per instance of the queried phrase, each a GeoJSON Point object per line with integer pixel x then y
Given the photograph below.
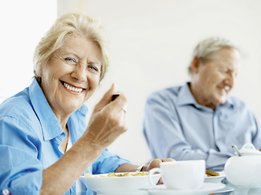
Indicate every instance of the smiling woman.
{"type": "Point", "coordinates": [69, 64]}
{"type": "Point", "coordinates": [45, 144]}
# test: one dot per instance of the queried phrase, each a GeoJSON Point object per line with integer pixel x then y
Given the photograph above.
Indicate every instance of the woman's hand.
{"type": "Point", "coordinates": [108, 120]}
{"type": "Point", "coordinates": [155, 163]}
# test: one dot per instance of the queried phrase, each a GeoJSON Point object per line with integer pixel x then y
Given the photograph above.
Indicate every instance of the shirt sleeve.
{"type": "Point", "coordinates": [164, 135]}
{"type": "Point", "coordinates": [20, 169]}
{"type": "Point", "coordinates": [107, 162]}
{"type": "Point", "coordinates": [257, 137]}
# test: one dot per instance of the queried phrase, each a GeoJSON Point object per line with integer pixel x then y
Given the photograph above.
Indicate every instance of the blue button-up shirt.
{"type": "Point", "coordinates": [176, 126]}
{"type": "Point", "coordinates": [30, 137]}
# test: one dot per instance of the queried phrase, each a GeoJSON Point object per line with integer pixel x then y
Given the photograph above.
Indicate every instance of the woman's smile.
{"type": "Point", "coordinates": [72, 89]}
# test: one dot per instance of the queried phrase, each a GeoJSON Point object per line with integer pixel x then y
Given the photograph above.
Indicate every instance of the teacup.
{"type": "Point", "coordinates": [189, 174]}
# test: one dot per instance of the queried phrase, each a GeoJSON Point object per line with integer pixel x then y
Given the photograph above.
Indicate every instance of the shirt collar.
{"type": "Point", "coordinates": [185, 97]}
{"type": "Point", "coordinates": [51, 127]}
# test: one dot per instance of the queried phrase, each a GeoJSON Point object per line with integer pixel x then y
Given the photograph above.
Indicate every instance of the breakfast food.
{"type": "Point", "coordinates": [211, 173]}
{"type": "Point", "coordinates": [124, 174]}
{"type": "Point", "coordinates": [121, 174]}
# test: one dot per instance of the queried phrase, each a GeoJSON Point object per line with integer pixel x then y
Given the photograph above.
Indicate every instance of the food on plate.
{"type": "Point", "coordinates": [124, 174]}
{"type": "Point", "coordinates": [120, 174]}
{"type": "Point", "coordinates": [211, 173]}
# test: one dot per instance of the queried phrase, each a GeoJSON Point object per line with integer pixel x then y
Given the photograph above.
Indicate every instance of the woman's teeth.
{"type": "Point", "coordinates": [73, 89]}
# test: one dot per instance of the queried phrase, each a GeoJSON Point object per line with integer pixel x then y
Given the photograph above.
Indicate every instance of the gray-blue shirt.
{"type": "Point", "coordinates": [176, 126]}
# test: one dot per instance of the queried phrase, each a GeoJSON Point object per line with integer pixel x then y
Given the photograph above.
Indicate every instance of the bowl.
{"type": "Point", "coordinates": [215, 179]}
{"type": "Point", "coordinates": [118, 182]}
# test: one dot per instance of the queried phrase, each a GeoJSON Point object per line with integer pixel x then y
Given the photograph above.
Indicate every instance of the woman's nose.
{"type": "Point", "coordinates": [80, 73]}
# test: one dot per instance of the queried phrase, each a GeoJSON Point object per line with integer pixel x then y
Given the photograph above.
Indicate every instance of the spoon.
{"type": "Point", "coordinates": [236, 150]}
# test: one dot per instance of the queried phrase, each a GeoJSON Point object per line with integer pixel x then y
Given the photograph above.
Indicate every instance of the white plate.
{"type": "Point", "coordinates": [215, 179]}
{"type": "Point", "coordinates": [226, 189]}
{"type": "Point", "coordinates": [102, 183]}
{"type": "Point", "coordinates": [206, 188]}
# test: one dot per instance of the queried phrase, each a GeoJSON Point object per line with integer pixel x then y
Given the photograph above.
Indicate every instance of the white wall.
{"type": "Point", "coordinates": [23, 23]}
{"type": "Point", "coordinates": [150, 45]}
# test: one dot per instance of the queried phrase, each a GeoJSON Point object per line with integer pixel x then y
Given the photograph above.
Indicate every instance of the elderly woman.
{"type": "Point", "coordinates": [45, 144]}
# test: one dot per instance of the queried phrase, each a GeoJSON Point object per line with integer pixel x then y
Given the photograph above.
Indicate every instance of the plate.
{"type": "Point", "coordinates": [215, 179]}
{"type": "Point", "coordinates": [208, 187]}
{"type": "Point", "coordinates": [225, 189]}
{"type": "Point", "coordinates": [105, 183]}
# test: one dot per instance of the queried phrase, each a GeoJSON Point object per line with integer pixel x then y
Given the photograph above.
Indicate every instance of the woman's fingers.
{"type": "Point", "coordinates": [155, 163]}
{"type": "Point", "coordinates": [112, 101]}
{"type": "Point", "coordinates": [105, 99]}
{"type": "Point", "coordinates": [108, 119]}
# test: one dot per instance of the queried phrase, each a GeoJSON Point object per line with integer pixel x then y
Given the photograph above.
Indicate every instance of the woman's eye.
{"type": "Point", "coordinates": [70, 60]}
{"type": "Point", "coordinates": [94, 68]}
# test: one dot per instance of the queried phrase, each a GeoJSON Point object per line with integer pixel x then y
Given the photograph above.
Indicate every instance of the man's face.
{"type": "Point", "coordinates": [214, 79]}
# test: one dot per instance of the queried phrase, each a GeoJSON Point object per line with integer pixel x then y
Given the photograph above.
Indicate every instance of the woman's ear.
{"type": "Point", "coordinates": [194, 66]}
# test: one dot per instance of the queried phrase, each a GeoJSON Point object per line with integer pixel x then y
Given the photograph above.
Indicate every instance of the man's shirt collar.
{"type": "Point", "coordinates": [185, 97]}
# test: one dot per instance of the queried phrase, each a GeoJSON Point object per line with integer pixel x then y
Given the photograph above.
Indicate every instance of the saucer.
{"type": "Point", "coordinates": [207, 188]}
{"type": "Point", "coordinates": [225, 189]}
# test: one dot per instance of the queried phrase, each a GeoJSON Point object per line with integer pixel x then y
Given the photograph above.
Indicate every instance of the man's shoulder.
{"type": "Point", "coordinates": [236, 102]}
{"type": "Point", "coordinates": [172, 92]}
{"type": "Point", "coordinates": [239, 105]}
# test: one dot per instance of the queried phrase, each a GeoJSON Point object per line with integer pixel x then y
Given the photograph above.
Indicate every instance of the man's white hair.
{"type": "Point", "coordinates": [211, 45]}
{"type": "Point", "coordinates": [206, 48]}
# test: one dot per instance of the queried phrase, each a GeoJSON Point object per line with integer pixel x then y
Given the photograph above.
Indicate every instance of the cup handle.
{"type": "Point", "coordinates": [151, 172]}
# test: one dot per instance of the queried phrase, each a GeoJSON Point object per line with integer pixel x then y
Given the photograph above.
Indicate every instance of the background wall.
{"type": "Point", "coordinates": [150, 44]}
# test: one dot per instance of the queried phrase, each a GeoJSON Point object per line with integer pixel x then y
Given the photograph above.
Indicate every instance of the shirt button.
{"type": "Point", "coordinates": [5, 192]}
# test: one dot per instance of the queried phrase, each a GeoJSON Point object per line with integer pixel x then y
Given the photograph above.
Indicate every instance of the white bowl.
{"type": "Point", "coordinates": [103, 183]}
{"type": "Point", "coordinates": [215, 179]}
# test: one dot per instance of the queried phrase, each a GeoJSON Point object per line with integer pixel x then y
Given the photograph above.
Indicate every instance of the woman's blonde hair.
{"type": "Point", "coordinates": [66, 25]}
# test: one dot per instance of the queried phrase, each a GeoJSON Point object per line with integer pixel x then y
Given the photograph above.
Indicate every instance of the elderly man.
{"type": "Point", "coordinates": [198, 120]}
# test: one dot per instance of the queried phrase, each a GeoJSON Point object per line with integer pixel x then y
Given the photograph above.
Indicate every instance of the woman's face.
{"type": "Point", "coordinates": [71, 75]}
